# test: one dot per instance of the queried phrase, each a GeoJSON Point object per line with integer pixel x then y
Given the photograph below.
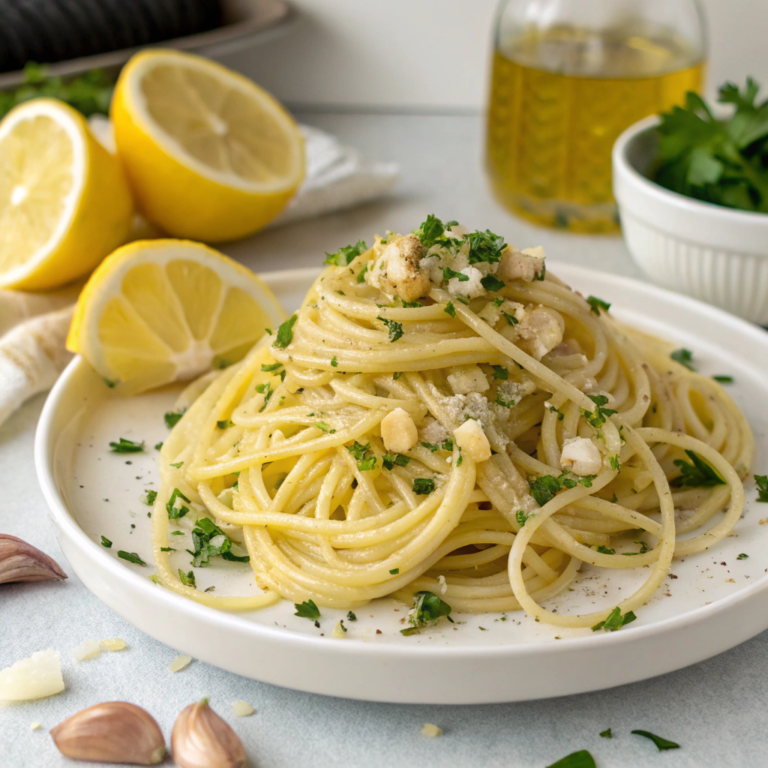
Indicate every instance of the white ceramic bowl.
{"type": "Point", "coordinates": [717, 254]}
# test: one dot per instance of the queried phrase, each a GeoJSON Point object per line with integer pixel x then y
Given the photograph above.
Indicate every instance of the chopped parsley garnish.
{"type": "Point", "coordinates": [285, 332]}
{"type": "Point", "coordinates": [449, 274]}
{"type": "Point", "coordinates": [323, 427]}
{"type": "Point", "coordinates": [178, 464]}
{"type": "Point", "coordinates": [222, 364]}
{"type": "Point", "coordinates": [615, 462]}
{"type": "Point", "coordinates": [643, 549]}
{"type": "Point", "coordinates": [158, 446]}
{"type": "Point", "coordinates": [430, 446]}
{"type": "Point", "coordinates": [580, 759]}
{"type": "Point", "coordinates": [606, 734]}
{"type": "Point", "coordinates": [603, 550]}
{"type": "Point", "coordinates": [308, 610]}
{"type": "Point", "coordinates": [596, 305]}
{"type": "Point", "coordinates": [762, 487]}
{"type": "Point", "coordinates": [131, 557]}
{"type": "Point", "coordinates": [266, 390]}
{"type": "Point", "coordinates": [110, 384]}
{"type": "Point", "coordinates": [175, 512]}
{"type": "Point", "coordinates": [432, 231]}
{"type": "Point", "coordinates": [423, 486]}
{"type": "Point", "coordinates": [346, 254]}
{"type": "Point", "coordinates": [126, 446]}
{"type": "Point", "coordinates": [448, 445]}
{"type": "Point", "coordinates": [395, 571]}
{"type": "Point", "coordinates": [334, 362]}
{"type": "Point", "coordinates": [389, 460]}
{"type": "Point", "coordinates": [427, 610]}
{"type": "Point", "coordinates": [411, 304]}
{"type": "Point", "coordinates": [615, 620]}
{"type": "Point", "coordinates": [485, 246]}
{"type": "Point", "coordinates": [560, 414]}
{"type": "Point", "coordinates": [544, 488]}
{"type": "Point", "coordinates": [586, 481]}
{"type": "Point", "coordinates": [699, 474]}
{"type": "Point", "coordinates": [224, 424]}
{"type": "Point", "coordinates": [395, 329]}
{"type": "Point", "coordinates": [105, 542]}
{"type": "Point", "coordinates": [270, 368]}
{"type": "Point", "coordinates": [462, 299]}
{"type": "Point", "coordinates": [500, 372]}
{"type": "Point", "coordinates": [187, 579]}
{"type": "Point", "coordinates": [360, 276]}
{"type": "Point", "coordinates": [396, 375]}
{"type": "Point", "coordinates": [742, 556]}
{"type": "Point", "coordinates": [521, 517]}
{"type": "Point", "coordinates": [724, 379]}
{"type": "Point", "coordinates": [502, 402]}
{"type": "Point", "coordinates": [172, 418]}
{"type": "Point", "coordinates": [149, 497]}
{"type": "Point", "coordinates": [492, 283]}
{"type": "Point", "coordinates": [661, 743]}
{"type": "Point", "coordinates": [598, 417]}
{"type": "Point", "coordinates": [351, 616]}
{"type": "Point", "coordinates": [365, 458]}
{"type": "Point", "coordinates": [209, 540]}
{"type": "Point", "coordinates": [167, 549]}
{"type": "Point", "coordinates": [511, 319]}
{"type": "Point", "coordinates": [684, 357]}
{"type": "Point", "coordinates": [450, 309]}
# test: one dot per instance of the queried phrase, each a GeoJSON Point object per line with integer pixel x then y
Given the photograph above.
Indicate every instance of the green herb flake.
{"type": "Point", "coordinates": [596, 305]}
{"type": "Point", "coordinates": [395, 571]}
{"type": "Point", "coordinates": [126, 446]}
{"type": "Point", "coordinates": [423, 486]}
{"type": "Point", "coordinates": [432, 232]}
{"type": "Point", "coordinates": [396, 375]}
{"type": "Point", "coordinates": [450, 309]}
{"type": "Point", "coordinates": [351, 616]}
{"type": "Point", "coordinates": [615, 620]}
{"type": "Point", "coordinates": [511, 319]}
{"type": "Point", "coordinates": [308, 610]}
{"type": "Point", "coordinates": [500, 373]}
{"type": "Point", "coordinates": [167, 549]}
{"type": "Point", "coordinates": [334, 362]}
{"type": "Point", "coordinates": [521, 517]}
{"type": "Point", "coordinates": [323, 427]}
{"type": "Point", "coordinates": [762, 487]}
{"type": "Point", "coordinates": [285, 332]}
{"type": "Point", "coordinates": [603, 550]}
{"type": "Point", "coordinates": [723, 379]}
{"type": "Point", "coordinates": [615, 462]}
{"type": "Point", "coordinates": [684, 357]}
{"type": "Point", "coordinates": [491, 283]}
{"type": "Point", "coordinates": [172, 418]}
{"type": "Point", "coordinates": [346, 254]}
{"type": "Point", "coordinates": [742, 556]}
{"type": "Point", "coordinates": [599, 416]}
{"type": "Point", "coordinates": [271, 368]}
{"type": "Point", "coordinates": [360, 276]}
{"type": "Point", "coordinates": [224, 424]}
{"type": "Point", "coordinates": [580, 759]}
{"type": "Point", "coordinates": [661, 743]}
{"type": "Point", "coordinates": [178, 464]}
{"type": "Point", "coordinates": [149, 497]}
{"type": "Point", "coordinates": [606, 734]}
{"type": "Point", "coordinates": [395, 329]}
{"type": "Point", "coordinates": [105, 542]}
{"type": "Point", "coordinates": [390, 460]}
{"type": "Point", "coordinates": [698, 474]}
{"type": "Point", "coordinates": [188, 579]}
{"type": "Point", "coordinates": [544, 488]}
{"type": "Point", "coordinates": [158, 446]}
{"type": "Point", "coordinates": [451, 274]}
{"type": "Point", "coordinates": [131, 557]}
{"type": "Point", "coordinates": [485, 246]}
{"type": "Point", "coordinates": [427, 610]}
{"type": "Point", "coordinates": [175, 512]}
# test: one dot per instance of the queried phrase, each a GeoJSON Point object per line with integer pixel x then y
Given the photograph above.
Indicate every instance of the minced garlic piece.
{"type": "Point", "coordinates": [90, 649]}
{"type": "Point", "coordinates": [113, 644]}
{"type": "Point", "coordinates": [431, 730]}
{"type": "Point", "coordinates": [398, 431]}
{"type": "Point", "coordinates": [242, 708]}
{"type": "Point", "coordinates": [180, 662]}
{"type": "Point", "coordinates": [472, 440]}
{"type": "Point", "coordinates": [339, 630]}
{"type": "Point", "coordinates": [34, 726]}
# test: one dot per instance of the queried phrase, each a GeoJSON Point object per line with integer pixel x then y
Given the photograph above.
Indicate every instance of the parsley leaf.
{"type": "Point", "coordinates": [351, 616]}
{"type": "Point", "coordinates": [597, 304]}
{"type": "Point", "coordinates": [500, 372]}
{"type": "Point", "coordinates": [606, 734]}
{"type": "Point", "coordinates": [723, 379]}
{"type": "Point", "coordinates": [334, 362]}
{"type": "Point", "coordinates": [270, 368]}
{"type": "Point", "coordinates": [175, 512]}
{"type": "Point", "coordinates": [432, 231]}
{"type": "Point", "coordinates": [131, 557]}
{"type": "Point", "coordinates": [105, 542]}
{"type": "Point", "coordinates": [450, 309]}
{"type": "Point", "coordinates": [615, 620]}
{"type": "Point", "coordinates": [360, 276]}
{"type": "Point", "coordinates": [544, 488]}
{"type": "Point", "coordinates": [598, 417]}
{"type": "Point", "coordinates": [308, 610]}
{"type": "Point", "coordinates": [449, 273]}
{"type": "Point", "coordinates": [389, 460]}
{"type": "Point", "coordinates": [661, 743]}
{"type": "Point", "coordinates": [762, 487]}
{"type": "Point", "coordinates": [511, 319]}
{"type": "Point", "coordinates": [684, 357]}
{"type": "Point", "coordinates": [485, 246]}
{"type": "Point", "coordinates": [285, 332]}
{"type": "Point", "coordinates": [605, 551]}
{"type": "Point", "coordinates": [224, 424]}
{"type": "Point", "coordinates": [423, 486]}
{"type": "Point", "coordinates": [187, 579]}
{"type": "Point", "coordinates": [742, 556]}
{"type": "Point", "coordinates": [427, 610]}
{"type": "Point", "coordinates": [346, 254]}
{"type": "Point", "coordinates": [699, 474]}
{"type": "Point", "coordinates": [172, 418]}
{"type": "Point", "coordinates": [127, 446]}
{"type": "Point", "coordinates": [209, 541]}
{"type": "Point", "coordinates": [580, 759]}
{"type": "Point", "coordinates": [149, 497]}
{"type": "Point", "coordinates": [491, 283]}
{"type": "Point", "coordinates": [395, 329]}
{"type": "Point", "coordinates": [521, 517]}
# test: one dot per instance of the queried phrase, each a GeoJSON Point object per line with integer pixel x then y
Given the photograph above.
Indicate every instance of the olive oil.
{"type": "Point", "coordinates": [558, 102]}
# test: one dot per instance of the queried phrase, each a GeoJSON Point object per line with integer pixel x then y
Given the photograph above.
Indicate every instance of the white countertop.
{"type": "Point", "coordinates": [714, 710]}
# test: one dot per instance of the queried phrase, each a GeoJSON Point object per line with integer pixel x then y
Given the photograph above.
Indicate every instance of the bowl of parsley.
{"type": "Point", "coordinates": [692, 191]}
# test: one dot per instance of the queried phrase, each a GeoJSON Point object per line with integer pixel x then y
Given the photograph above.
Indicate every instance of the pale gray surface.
{"type": "Point", "coordinates": [715, 710]}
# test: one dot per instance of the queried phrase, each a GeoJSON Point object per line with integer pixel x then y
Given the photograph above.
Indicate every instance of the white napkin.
{"type": "Point", "coordinates": [33, 327]}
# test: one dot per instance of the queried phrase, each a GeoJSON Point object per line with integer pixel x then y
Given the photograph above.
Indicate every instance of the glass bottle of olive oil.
{"type": "Point", "coordinates": [568, 77]}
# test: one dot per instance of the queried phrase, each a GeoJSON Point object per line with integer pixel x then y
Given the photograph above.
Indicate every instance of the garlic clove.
{"type": "Point", "coordinates": [201, 739]}
{"type": "Point", "coordinates": [112, 732]}
{"type": "Point", "coordinates": [20, 561]}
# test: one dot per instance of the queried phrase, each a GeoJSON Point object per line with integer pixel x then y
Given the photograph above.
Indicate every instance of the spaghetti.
{"type": "Point", "coordinates": [443, 415]}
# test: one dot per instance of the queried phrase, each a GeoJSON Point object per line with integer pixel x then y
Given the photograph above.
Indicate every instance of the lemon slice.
{"type": "Point", "coordinates": [64, 202]}
{"type": "Point", "coordinates": [209, 154]}
{"type": "Point", "coordinates": [158, 311]}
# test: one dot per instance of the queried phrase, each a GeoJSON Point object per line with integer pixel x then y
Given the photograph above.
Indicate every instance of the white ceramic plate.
{"type": "Point", "coordinates": [714, 603]}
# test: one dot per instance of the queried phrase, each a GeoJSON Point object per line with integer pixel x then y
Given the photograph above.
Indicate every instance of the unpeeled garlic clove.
{"type": "Point", "coordinates": [20, 561]}
{"type": "Point", "coordinates": [112, 732]}
{"type": "Point", "coordinates": [201, 739]}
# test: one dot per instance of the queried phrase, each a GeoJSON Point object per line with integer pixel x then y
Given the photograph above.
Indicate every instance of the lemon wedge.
{"type": "Point", "coordinates": [64, 202]}
{"type": "Point", "coordinates": [158, 311]}
{"type": "Point", "coordinates": [209, 155]}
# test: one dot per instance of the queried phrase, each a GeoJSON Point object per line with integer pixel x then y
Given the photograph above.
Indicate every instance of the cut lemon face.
{"type": "Point", "coordinates": [158, 311]}
{"type": "Point", "coordinates": [64, 202]}
{"type": "Point", "coordinates": [209, 154]}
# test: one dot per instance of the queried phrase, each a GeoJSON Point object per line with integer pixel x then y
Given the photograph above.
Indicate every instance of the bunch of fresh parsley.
{"type": "Point", "coordinates": [719, 161]}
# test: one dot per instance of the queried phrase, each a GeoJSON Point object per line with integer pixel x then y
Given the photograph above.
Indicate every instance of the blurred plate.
{"type": "Point", "coordinates": [246, 23]}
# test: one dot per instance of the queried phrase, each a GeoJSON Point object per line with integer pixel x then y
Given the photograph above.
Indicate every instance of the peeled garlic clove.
{"type": "Point", "coordinates": [201, 739]}
{"type": "Point", "coordinates": [112, 732]}
{"type": "Point", "coordinates": [20, 561]}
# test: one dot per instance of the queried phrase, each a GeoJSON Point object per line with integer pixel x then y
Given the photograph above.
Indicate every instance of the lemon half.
{"type": "Point", "coordinates": [209, 155]}
{"type": "Point", "coordinates": [64, 202]}
{"type": "Point", "coordinates": [158, 311]}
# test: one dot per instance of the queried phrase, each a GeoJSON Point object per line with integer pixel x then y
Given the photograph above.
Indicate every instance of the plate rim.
{"type": "Point", "coordinates": [66, 524]}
